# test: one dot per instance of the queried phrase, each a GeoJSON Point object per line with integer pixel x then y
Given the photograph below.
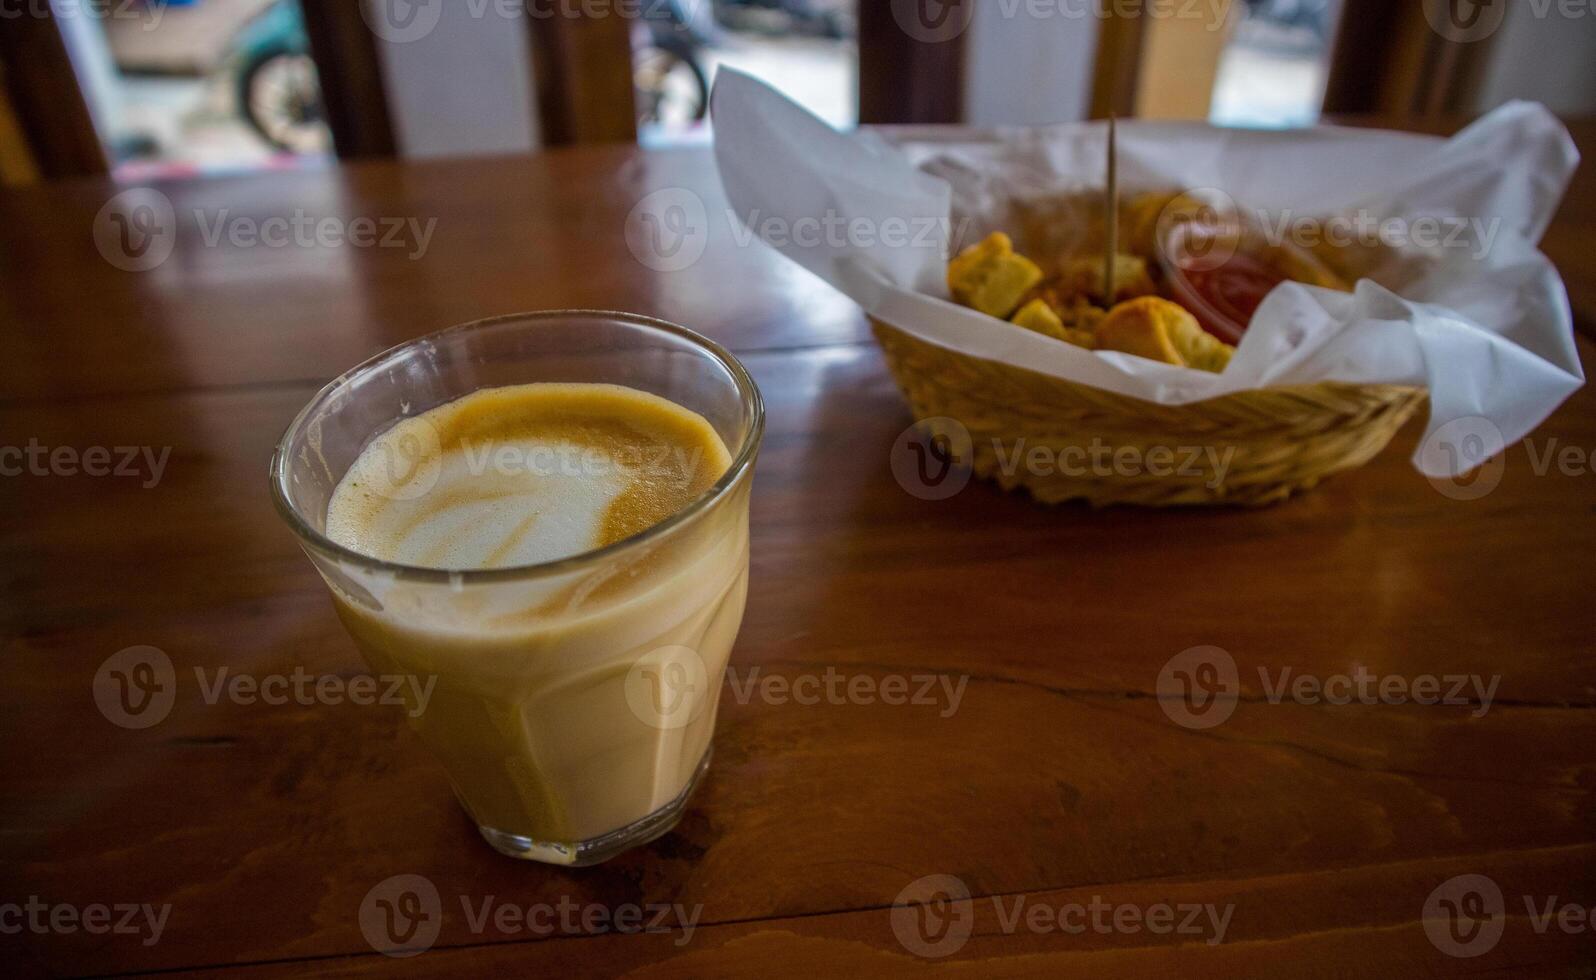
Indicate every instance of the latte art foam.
{"type": "Point", "coordinates": [524, 474]}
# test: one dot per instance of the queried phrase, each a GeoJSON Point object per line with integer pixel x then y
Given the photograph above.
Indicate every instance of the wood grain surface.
{"type": "Point", "coordinates": [1037, 759]}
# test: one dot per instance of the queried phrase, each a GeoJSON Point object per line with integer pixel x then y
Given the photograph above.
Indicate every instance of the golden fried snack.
{"type": "Point", "coordinates": [1038, 316]}
{"type": "Point", "coordinates": [990, 277]}
{"type": "Point", "coordinates": [1083, 276]}
{"type": "Point", "coordinates": [1159, 330]}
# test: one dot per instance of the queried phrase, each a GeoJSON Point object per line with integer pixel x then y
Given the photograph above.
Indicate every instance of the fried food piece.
{"type": "Point", "coordinates": [1075, 311]}
{"type": "Point", "coordinates": [1083, 276]}
{"type": "Point", "coordinates": [990, 277]}
{"type": "Point", "coordinates": [1159, 330]}
{"type": "Point", "coordinates": [1038, 316]}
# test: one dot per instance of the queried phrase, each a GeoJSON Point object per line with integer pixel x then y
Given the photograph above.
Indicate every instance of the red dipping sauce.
{"type": "Point", "coordinates": [1236, 289]}
{"type": "Point", "coordinates": [1223, 274]}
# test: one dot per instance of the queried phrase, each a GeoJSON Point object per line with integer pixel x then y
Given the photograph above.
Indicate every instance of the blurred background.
{"type": "Point", "coordinates": [146, 88]}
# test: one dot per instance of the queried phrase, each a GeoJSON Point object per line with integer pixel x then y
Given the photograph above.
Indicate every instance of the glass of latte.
{"type": "Point", "coordinates": [543, 520]}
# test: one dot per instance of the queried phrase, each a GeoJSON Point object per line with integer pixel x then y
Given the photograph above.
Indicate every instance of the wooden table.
{"type": "Point", "coordinates": [1052, 778]}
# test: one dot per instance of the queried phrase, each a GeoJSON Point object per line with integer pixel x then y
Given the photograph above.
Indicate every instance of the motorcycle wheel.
{"type": "Point", "coordinates": [281, 100]}
{"type": "Point", "coordinates": [671, 87]}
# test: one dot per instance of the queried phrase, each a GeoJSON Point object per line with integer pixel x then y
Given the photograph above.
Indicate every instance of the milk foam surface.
{"type": "Point", "coordinates": [523, 474]}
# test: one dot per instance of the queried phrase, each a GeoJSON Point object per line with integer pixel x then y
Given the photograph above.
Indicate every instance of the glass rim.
{"type": "Point", "coordinates": [742, 460]}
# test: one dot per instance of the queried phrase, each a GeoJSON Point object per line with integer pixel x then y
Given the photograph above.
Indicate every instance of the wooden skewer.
{"type": "Point", "coordinates": [1113, 215]}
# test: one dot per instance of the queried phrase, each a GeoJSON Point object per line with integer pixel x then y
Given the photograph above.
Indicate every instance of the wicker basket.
{"type": "Point", "coordinates": [1270, 442]}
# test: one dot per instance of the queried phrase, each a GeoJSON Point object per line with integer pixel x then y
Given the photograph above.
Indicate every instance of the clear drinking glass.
{"type": "Point", "coordinates": [572, 702]}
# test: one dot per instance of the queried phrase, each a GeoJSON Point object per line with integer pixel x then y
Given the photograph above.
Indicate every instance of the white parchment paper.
{"type": "Point", "coordinates": [1484, 324]}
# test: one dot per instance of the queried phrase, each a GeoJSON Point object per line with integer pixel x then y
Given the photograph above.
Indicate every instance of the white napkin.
{"type": "Point", "coordinates": [1485, 326]}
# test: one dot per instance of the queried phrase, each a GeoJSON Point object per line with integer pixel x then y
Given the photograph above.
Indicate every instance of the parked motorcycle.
{"type": "Point", "coordinates": [278, 92]}
{"type": "Point", "coordinates": [667, 71]}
